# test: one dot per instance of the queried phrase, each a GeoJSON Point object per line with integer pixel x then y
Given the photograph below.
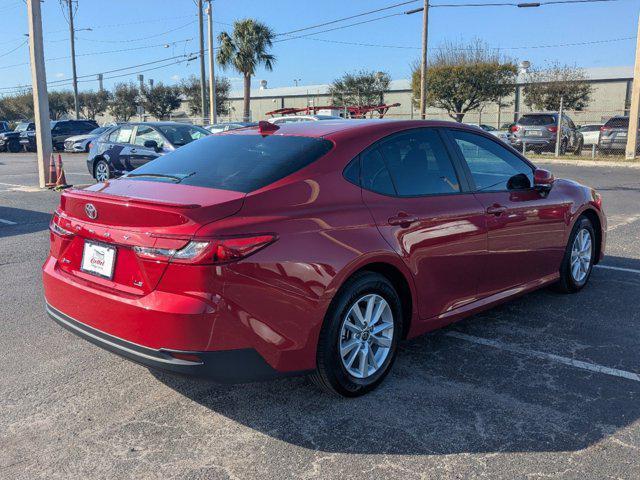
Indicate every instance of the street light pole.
{"type": "Point", "coordinates": [73, 60]}
{"type": "Point", "coordinates": [202, 74]}
{"type": "Point", "coordinates": [213, 110]}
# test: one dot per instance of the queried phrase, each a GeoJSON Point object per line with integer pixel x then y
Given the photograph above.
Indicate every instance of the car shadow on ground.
{"type": "Point", "coordinates": [447, 396]}
{"type": "Point", "coordinates": [22, 221]}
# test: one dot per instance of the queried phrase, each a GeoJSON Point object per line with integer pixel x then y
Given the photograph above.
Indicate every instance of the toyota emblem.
{"type": "Point", "coordinates": [91, 211]}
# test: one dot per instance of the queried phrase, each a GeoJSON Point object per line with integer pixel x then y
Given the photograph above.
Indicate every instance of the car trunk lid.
{"type": "Point", "coordinates": [123, 214]}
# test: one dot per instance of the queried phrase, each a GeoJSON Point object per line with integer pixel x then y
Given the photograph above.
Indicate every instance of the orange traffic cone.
{"type": "Point", "coordinates": [61, 181]}
{"type": "Point", "coordinates": [53, 176]}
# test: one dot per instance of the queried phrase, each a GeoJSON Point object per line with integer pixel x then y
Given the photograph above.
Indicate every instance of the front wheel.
{"type": "Point", "coordinates": [578, 150]}
{"type": "Point", "coordinates": [579, 257]}
{"type": "Point", "coordinates": [359, 338]}
{"type": "Point", "coordinates": [102, 171]}
{"type": "Point", "coordinates": [14, 146]}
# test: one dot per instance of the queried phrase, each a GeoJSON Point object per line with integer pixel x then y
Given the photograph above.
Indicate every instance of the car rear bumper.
{"type": "Point", "coordinates": [534, 142]}
{"type": "Point", "coordinates": [225, 366]}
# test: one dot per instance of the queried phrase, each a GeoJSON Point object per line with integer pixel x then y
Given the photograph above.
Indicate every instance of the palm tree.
{"type": "Point", "coordinates": [245, 50]}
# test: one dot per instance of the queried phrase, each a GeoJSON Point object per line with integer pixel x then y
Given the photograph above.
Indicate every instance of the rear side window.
{"type": "Point", "coordinates": [536, 120]}
{"type": "Point", "coordinates": [618, 122]}
{"type": "Point", "coordinates": [419, 164]}
{"type": "Point", "coordinates": [242, 163]}
{"type": "Point", "coordinates": [124, 135]}
{"type": "Point", "coordinates": [375, 176]}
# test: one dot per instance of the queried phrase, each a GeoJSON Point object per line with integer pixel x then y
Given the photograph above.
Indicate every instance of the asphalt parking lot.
{"type": "Point", "coordinates": [546, 386]}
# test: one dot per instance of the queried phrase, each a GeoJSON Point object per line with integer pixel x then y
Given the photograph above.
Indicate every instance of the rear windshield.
{"type": "Point", "coordinates": [532, 120]}
{"type": "Point", "coordinates": [242, 163]}
{"type": "Point", "coordinates": [618, 122]}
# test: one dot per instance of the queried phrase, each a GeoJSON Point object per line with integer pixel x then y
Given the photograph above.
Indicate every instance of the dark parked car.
{"type": "Point", "coordinates": [131, 145]}
{"type": "Point", "coordinates": [613, 136]}
{"type": "Point", "coordinates": [60, 131]}
{"type": "Point", "coordinates": [225, 127]}
{"type": "Point", "coordinates": [539, 130]}
{"type": "Point", "coordinates": [10, 141]}
{"type": "Point", "coordinates": [314, 248]}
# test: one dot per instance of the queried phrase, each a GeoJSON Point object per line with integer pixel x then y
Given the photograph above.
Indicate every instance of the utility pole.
{"type": "Point", "coordinates": [202, 74]}
{"type": "Point", "coordinates": [100, 85]}
{"type": "Point", "coordinates": [632, 135]}
{"type": "Point", "coordinates": [559, 128]}
{"type": "Point", "coordinates": [213, 110]}
{"type": "Point", "coordinates": [423, 65]}
{"type": "Point", "coordinates": [73, 59]}
{"type": "Point", "coordinates": [40, 96]}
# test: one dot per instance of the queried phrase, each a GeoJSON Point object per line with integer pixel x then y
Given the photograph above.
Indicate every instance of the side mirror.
{"type": "Point", "coordinates": [519, 181]}
{"type": "Point", "coordinates": [543, 179]}
{"type": "Point", "coordinates": [152, 144]}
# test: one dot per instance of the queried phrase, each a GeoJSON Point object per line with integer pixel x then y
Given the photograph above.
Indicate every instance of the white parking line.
{"type": "Point", "coordinates": [624, 223]}
{"type": "Point", "coordinates": [619, 269]}
{"type": "Point", "coordinates": [592, 367]}
{"type": "Point", "coordinates": [7, 222]}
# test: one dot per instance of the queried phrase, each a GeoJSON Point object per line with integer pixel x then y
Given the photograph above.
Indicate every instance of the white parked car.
{"type": "Point", "coordinates": [80, 143]}
{"type": "Point", "coordinates": [503, 135]}
{"type": "Point", "coordinates": [302, 118]}
{"type": "Point", "coordinates": [590, 133]}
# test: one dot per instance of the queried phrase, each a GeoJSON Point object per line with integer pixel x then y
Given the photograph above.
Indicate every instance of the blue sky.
{"type": "Point", "coordinates": [140, 29]}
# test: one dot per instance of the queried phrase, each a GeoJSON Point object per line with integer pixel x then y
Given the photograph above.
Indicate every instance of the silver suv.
{"type": "Point", "coordinates": [539, 131]}
{"type": "Point", "coordinates": [613, 136]}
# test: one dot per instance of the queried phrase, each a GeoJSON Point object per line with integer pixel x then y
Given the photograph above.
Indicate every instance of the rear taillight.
{"type": "Point", "coordinates": [57, 229]}
{"type": "Point", "coordinates": [605, 129]}
{"type": "Point", "coordinates": [515, 128]}
{"type": "Point", "coordinates": [220, 250]}
{"type": "Point", "coordinates": [553, 129]}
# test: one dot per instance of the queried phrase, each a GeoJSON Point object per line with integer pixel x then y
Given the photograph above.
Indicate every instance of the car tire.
{"type": "Point", "coordinates": [14, 147]}
{"type": "Point", "coordinates": [574, 279]}
{"type": "Point", "coordinates": [344, 338]}
{"type": "Point", "coordinates": [101, 171]}
{"type": "Point", "coordinates": [578, 150]}
{"type": "Point", "coordinates": [563, 147]}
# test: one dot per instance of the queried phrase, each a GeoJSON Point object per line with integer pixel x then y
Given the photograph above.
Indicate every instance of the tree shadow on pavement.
{"type": "Point", "coordinates": [447, 396]}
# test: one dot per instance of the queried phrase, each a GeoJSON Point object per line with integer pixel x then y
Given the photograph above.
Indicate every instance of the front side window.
{"type": "Point", "coordinates": [145, 133]}
{"type": "Point", "coordinates": [492, 166]}
{"type": "Point", "coordinates": [419, 164]}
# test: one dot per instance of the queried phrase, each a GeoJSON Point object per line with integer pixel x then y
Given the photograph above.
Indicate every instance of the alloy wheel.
{"type": "Point", "coordinates": [581, 255]}
{"type": "Point", "coordinates": [366, 336]}
{"type": "Point", "coordinates": [102, 172]}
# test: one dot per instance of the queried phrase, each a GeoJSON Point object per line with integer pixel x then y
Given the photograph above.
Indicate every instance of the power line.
{"type": "Point", "coordinates": [347, 18]}
{"type": "Point", "coordinates": [340, 27]}
{"type": "Point", "coordinates": [14, 49]}
{"type": "Point", "coordinates": [140, 38]}
{"type": "Point", "coordinates": [514, 4]}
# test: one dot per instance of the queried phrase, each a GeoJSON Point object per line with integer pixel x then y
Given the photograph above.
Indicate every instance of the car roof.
{"type": "Point", "coordinates": [160, 124]}
{"type": "Point", "coordinates": [328, 128]}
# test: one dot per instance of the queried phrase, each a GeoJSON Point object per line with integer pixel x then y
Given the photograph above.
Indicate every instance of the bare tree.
{"type": "Point", "coordinates": [545, 88]}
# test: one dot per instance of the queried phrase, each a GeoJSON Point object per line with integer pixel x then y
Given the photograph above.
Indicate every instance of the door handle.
{"type": "Point", "coordinates": [133, 150]}
{"type": "Point", "coordinates": [496, 209]}
{"type": "Point", "coordinates": [403, 220]}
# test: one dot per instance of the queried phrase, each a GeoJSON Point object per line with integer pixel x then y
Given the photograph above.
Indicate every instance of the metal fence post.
{"type": "Point", "coordinates": [524, 147]}
{"type": "Point", "coordinates": [593, 151]}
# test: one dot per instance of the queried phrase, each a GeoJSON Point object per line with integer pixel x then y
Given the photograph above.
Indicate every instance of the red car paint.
{"type": "Point", "coordinates": [460, 255]}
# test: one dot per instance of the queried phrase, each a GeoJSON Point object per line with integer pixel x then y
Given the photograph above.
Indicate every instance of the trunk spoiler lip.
{"type": "Point", "coordinates": [87, 194]}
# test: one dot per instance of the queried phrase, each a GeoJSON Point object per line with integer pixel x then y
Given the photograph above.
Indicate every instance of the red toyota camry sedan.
{"type": "Point", "coordinates": [312, 248]}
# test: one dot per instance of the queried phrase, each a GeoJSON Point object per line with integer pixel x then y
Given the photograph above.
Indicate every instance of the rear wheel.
{"type": "Point", "coordinates": [578, 150]}
{"type": "Point", "coordinates": [102, 173]}
{"type": "Point", "coordinates": [14, 146]}
{"type": "Point", "coordinates": [359, 337]}
{"type": "Point", "coordinates": [579, 257]}
{"type": "Point", "coordinates": [563, 147]}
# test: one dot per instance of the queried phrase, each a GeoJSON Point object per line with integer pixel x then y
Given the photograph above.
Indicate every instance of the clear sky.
{"type": "Point", "coordinates": [131, 32]}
